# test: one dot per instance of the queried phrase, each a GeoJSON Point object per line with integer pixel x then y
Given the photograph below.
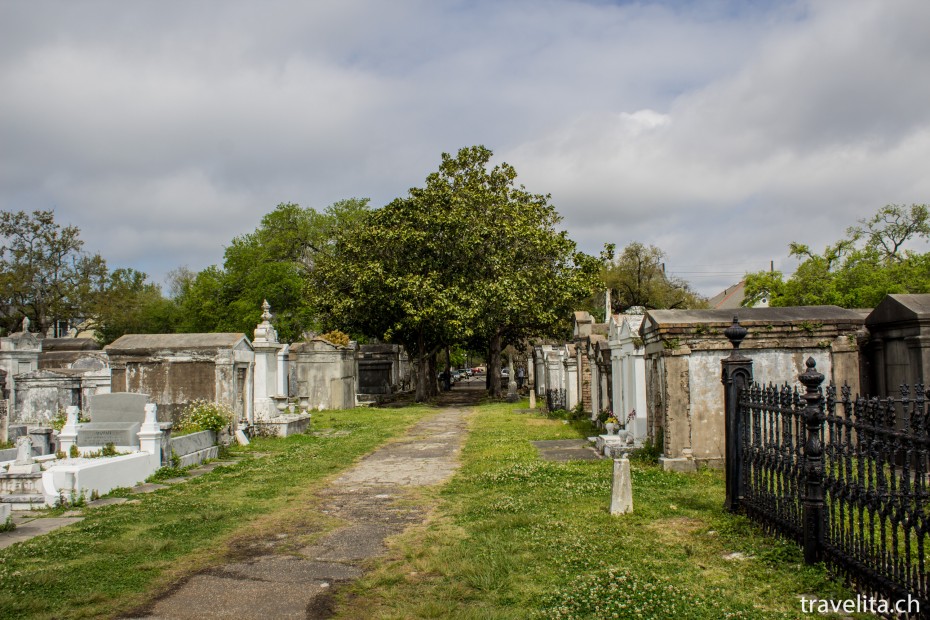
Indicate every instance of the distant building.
{"type": "Point", "coordinates": [732, 297]}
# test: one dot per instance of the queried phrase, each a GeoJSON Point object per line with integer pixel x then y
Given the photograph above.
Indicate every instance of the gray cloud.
{"type": "Point", "coordinates": [717, 130]}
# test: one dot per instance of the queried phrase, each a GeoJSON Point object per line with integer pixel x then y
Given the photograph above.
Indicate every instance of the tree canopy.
{"type": "Point", "coordinates": [856, 271]}
{"type": "Point", "coordinates": [637, 277]}
{"type": "Point", "coordinates": [46, 275]}
{"type": "Point", "coordinates": [273, 263]}
{"type": "Point", "coordinates": [469, 258]}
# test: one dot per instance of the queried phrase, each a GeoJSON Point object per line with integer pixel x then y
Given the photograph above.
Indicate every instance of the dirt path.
{"type": "Point", "coordinates": [374, 499]}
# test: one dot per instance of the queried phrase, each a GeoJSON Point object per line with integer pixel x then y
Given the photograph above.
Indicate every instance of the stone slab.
{"type": "Point", "coordinates": [682, 465]}
{"type": "Point", "coordinates": [36, 527]}
{"type": "Point", "coordinates": [287, 424]}
{"type": "Point", "coordinates": [31, 468]}
{"type": "Point", "coordinates": [149, 487]}
{"type": "Point", "coordinates": [106, 501]}
{"type": "Point", "coordinates": [198, 457]}
{"type": "Point", "coordinates": [198, 599]}
{"type": "Point", "coordinates": [100, 434]}
{"type": "Point", "coordinates": [6, 512]}
{"type": "Point", "coordinates": [24, 501]}
{"type": "Point", "coordinates": [118, 407]}
{"type": "Point", "coordinates": [195, 442]}
{"type": "Point", "coordinates": [562, 450]}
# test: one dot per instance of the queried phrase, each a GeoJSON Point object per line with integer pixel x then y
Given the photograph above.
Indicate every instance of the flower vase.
{"type": "Point", "coordinates": [611, 428]}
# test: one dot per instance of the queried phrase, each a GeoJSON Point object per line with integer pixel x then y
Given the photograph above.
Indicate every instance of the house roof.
{"type": "Point", "coordinates": [731, 297]}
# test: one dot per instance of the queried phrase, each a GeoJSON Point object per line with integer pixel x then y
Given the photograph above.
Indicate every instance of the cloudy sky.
{"type": "Point", "coordinates": [719, 130]}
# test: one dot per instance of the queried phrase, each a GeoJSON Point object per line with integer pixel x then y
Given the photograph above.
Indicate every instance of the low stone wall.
{"type": "Point", "coordinates": [195, 448]}
{"type": "Point", "coordinates": [285, 425]}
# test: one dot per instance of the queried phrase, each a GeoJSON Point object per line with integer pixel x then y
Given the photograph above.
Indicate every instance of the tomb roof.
{"type": "Point", "coordinates": [149, 342]}
{"type": "Point", "coordinates": [900, 308]}
{"type": "Point", "coordinates": [788, 314]}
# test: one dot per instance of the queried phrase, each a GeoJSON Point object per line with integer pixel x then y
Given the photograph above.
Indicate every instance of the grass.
{"type": "Point", "coordinates": [120, 555]}
{"type": "Point", "coordinates": [511, 536]}
{"type": "Point", "coordinates": [517, 537]}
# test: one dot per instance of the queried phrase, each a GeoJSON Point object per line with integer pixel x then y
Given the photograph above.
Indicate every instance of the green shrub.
{"type": "Point", "coordinates": [336, 337]}
{"type": "Point", "coordinates": [202, 415]}
{"type": "Point", "coordinates": [58, 422]}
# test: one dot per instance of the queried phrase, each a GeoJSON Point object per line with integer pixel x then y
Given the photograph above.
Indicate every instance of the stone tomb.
{"type": "Point", "coordinates": [115, 418]}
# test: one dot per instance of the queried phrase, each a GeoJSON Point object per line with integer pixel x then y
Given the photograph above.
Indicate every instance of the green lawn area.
{"type": "Point", "coordinates": [119, 555]}
{"type": "Point", "coordinates": [517, 537]}
{"type": "Point", "coordinates": [511, 536]}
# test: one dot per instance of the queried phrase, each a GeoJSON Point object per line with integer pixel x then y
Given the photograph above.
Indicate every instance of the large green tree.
{"type": "Point", "coordinates": [527, 274]}
{"type": "Point", "coordinates": [273, 263]}
{"type": "Point", "coordinates": [128, 304]}
{"type": "Point", "coordinates": [401, 277]}
{"type": "Point", "coordinates": [44, 273]}
{"type": "Point", "coordinates": [637, 277]}
{"type": "Point", "coordinates": [470, 258]}
{"type": "Point", "coordinates": [856, 271]}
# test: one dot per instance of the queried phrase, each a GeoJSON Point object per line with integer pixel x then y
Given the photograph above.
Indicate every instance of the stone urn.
{"type": "Point", "coordinates": [611, 428]}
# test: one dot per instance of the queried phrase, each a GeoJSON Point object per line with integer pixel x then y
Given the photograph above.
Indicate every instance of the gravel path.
{"type": "Point", "coordinates": [373, 499]}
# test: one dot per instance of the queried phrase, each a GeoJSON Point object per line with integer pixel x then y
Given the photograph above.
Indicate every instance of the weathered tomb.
{"type": "Point", "coordinates": [43, 394]}
{"type": "Point", "coordinates": [325, 374]}
{"type": "Point", "coordinates": [115, 418]}
{"type": "Point", "coordinates": [898, 348]}
{"type": "Point", "coordinates": [683, 349]}
{"type": "Point", "coordinates": [175, 369]}
{"type": "Point", "coordinates": [77, 353]}
{"type": "Point", "coordinates": [381, 369]}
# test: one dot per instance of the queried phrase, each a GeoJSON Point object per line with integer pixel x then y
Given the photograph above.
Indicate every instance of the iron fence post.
{"type": "Point", "coordinates": [736, 375]}
{"type": "Point", "coordinates": [812, 498]}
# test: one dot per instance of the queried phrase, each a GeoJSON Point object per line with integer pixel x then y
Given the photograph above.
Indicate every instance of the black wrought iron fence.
{"type": "Point", "coordinates": [875, 479]}
{"type": "Point", "coordinates": [847, 478]}
{"type": "Point", "coordinates": [773, 457]}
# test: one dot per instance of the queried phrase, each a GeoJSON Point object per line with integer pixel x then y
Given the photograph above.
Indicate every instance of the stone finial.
{"type": "Point", "coordinates": [23, 450]}
{"type": "Point", "coordinates": [73, 412]}
{"type": "Point", "coordinates": [151, 415]}
{"type": "Point", "coordinates": [735, 333]}
{"type": "Point", "coordinates": [265, 331]}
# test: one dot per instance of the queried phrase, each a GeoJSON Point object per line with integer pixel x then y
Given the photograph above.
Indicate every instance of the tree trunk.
{"type": "Point", "coordinates": [433, 381]}
{"type": "Point", "coordinates": [422, 379]}
{"type": "Point", "coordinates": [448, 381]}
{"type": "Point", "coordinates": [494, 365]}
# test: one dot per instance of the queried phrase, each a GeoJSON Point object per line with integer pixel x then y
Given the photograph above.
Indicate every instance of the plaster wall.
{"type": "Point", "coordinates": [325, 375]}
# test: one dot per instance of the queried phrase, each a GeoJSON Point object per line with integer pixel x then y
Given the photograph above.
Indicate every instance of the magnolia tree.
{"type": "Point", "coordinates": [470, 258]}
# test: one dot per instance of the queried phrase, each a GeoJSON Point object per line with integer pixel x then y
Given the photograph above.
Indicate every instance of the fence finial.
{"type": "Point", "coordinates": [735, 333]}
{"type": "Point", "coordinates": [810, 377]}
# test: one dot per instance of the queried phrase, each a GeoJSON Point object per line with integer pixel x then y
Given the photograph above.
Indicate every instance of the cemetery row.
{"type": "Point", "coordinates": [658, 372]}
{"type": "Point", "coordinates": [125, 399]}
